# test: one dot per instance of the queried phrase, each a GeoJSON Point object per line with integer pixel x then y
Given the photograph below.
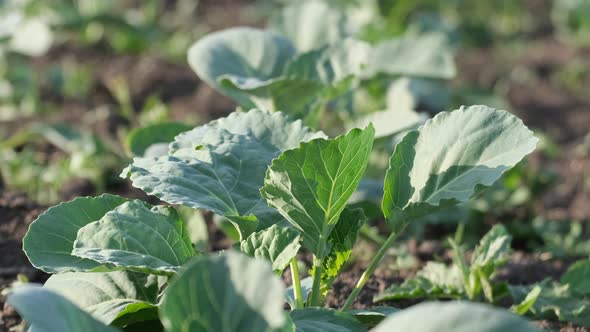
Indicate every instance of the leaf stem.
{"type": "Point", "coordinates": [369, 271]}
{"type": "Point", "coordinates": [317, 281]}
{"type": "Point", "coordinates": [296, 283]}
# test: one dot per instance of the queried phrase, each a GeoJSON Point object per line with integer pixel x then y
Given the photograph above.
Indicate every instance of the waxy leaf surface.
{"type": "Point", "coordinates": [454, 317]}
{"type": "Point", "coordinates": [228, 292]}
{"type": "Point", "coordinates": [49, 241]}
{"type": "Point", "coordinates": [446, 160]}
{"type": "Point", "coordinates": [311, 184]}
{"type": "Point", "coordinates": [47, 311]}
{"type": "Point", "coordinates": [276, 244]}
{"type": "Point", "coordinates": [239, 55]}
{"type": "Point", "coordinates": [109, 296]}
{"type": "Point", "coordinates": [323, 319]}
{"type": "Point", "coordinates": [137, 237]}
{"type": "Point", "coordinates": [220, 166]}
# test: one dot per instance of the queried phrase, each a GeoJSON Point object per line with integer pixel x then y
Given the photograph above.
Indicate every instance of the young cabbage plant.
{"type": "Point", "coordinates": [283, 187]}
{"type": "Point", "coordinates": [259, 68]}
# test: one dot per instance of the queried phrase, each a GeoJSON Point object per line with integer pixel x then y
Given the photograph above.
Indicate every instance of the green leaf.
{"type": "Point", "coordinates": [49, 312]}
{"type": "Point", "coordinates": [555, 300]}
{"type": "Point", "coordinates": [322, 319]}
{"type": "Point", "coordinates": [140, 140]}
{"type": "Point", "coordinates": [310, 24]}
{"type": "Point", "coordinates": [220, 166]}
{"type": "Point", "coordinates": [228, 292]}
{"type": "Point", "coordinates": [454, 317]}
{"type": "Point", "coordinates": [434, 280]}
{"type": "Point", "coordinates": [446, 160]}
{"type": "Point", "coordinates": [240, 55]}
{"type": "Point", "coordinates": [48, 243]}
{"type": "Point", "coordinates": [577, 277]}
{"type": "Point", "coordinates": [137, 237]}
{"type": "Point", "coordinates": [493, 250]}
{"type": "Point", "coordinates": [109, 296]}
{"type": "Point", "coordinates": [276, 244]}
{"type": "Point", "coordinates": [311, 184]}
{"type": "Point", "coordinates": [426, 56]}
{"type": "Point", "coordinates": [341, 240]}
{"type": "Point", "coordinates": [525, 305]}
{"type": "Point", "coordinates": [373, 316]}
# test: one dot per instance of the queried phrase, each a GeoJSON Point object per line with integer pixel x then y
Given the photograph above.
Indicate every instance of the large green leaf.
{"type": "Point", "coordinates": [220, 166]}
{"type": "Point", "coordinates": [454, 317]}
{"type": "Point", "coordinates": [109, 296]}
{"type": "Point", "coordinates": [137, 237]}
{"type": "Point", "coordinates": [49, 241]}
{"type": "Point", "coordinates": [444, 162]}
{"type": "Point", "coordinates": [228, 292]}
{"type": "Point", "coordinates": [239, 54]}
{"type": "Point", "coordinates": [555, 300]}
{"type": "Point", "coordinates": [577, 276]}
{"type": "Point", "coordinates": [311, 184]}
{"type": "Point", "coordinates": [49, 312]}
{"type": "Point", "coordinates": [322, 319]}
{"type": "Point", "coordinates": [276, 244]}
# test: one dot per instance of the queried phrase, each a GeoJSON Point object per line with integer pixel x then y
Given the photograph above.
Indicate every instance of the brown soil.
{"type": "Point", "coordinates": [16, 213]}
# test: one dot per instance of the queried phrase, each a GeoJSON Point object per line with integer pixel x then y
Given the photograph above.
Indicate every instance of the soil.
{"type": "Point", "coordinates": [542, 102]}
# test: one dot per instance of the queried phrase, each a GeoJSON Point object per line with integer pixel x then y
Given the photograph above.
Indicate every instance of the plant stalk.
{"type": "Point", "coordinates": [317, 281]}
{"type": "Point", "coordinates": [296, 283]}
{"type": "Point", "coordinates": [369, 271]}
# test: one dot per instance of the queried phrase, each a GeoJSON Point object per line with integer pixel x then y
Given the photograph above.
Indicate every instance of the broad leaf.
{"type": "Point", "coordinates": [311, 184]}
{"type": "Point", "coordinates": [434, 280]}
{"type": "Point", "coordinates": [140, 140]}
{"type": "Point", "coordinates": [454, 317]}
{"type": "Point", "coordinates": [228, 292]}
{"type": "Point", "coordinates": [220, 166]}
{"type": "Point", "coordinates": [137, 237]}
{"type": "Point", "coordinates": [446, 160]}
{"type": "Point", "coordinates": [49, 312]}
{"type": "Point", "coordinates": [276, 244]}
{"type": "Point", "coordinates": [426, 56]}
{"type": "Point", "coordinates": [577, 276]}
{"type": "Point", "coordinates": [322, 319]}
{"type": "Point", "coordinates": [239, 54]}
{"type": "Point", "coordinates": [109, 296]}
{"type": "Point", "coordinates": [49, 241]}
{"type": "Point", "coordinates": [555, 300]}
{"type": "Point", "coordinates": [340, 243]}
